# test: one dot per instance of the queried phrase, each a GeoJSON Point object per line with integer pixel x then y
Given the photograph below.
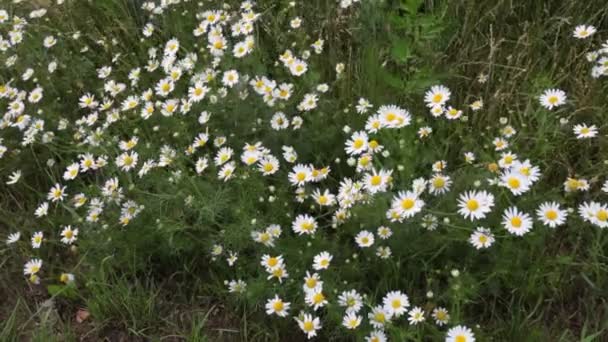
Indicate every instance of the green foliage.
{"type": "Point", "coordinates": [143, 278]}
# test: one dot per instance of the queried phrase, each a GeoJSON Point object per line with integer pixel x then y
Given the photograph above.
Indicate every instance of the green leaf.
{"type": "Point", "coordinates": [411, 6]}
{"type": "Point", "coordinates": [401, 51]}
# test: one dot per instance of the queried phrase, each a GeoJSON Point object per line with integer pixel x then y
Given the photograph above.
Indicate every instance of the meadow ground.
{"type": "Point", "coordinates": [191, 205]}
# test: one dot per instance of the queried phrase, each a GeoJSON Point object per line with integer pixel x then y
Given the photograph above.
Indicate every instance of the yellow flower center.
{"type": "Point", "coordinates": [318, 298]}
{"type": "Point", "coordinates": [358, 143]}
{"type": "Point", "coordinates": [514, 183]}
{"type": "Point", "coordinates": [273, 262]}
{"type": "Point", "coordinates": [438, 182]}
{"type": "Point", "coordinates": [308, 326]}
{"type": "Point", "coordinates": [551, 214]}
{"type": "Point", "coordinates": [396, 303]}
{"type": "Point", "coordinates": [437, 98]}
{"type": "Point", "coordinates": [460, 338]}
{"type": "Point", "coordinates": [376, 180]}
{"type": "Point", "coordinates": [516, 222]}
{"type": "Point", "coordinates": [602, 215]}
{"type": "Point", "coordinates": [553, 100]}
{"type": "Point", "coordinates": [472, 205]}
{"type": "Point", "coordinates": [407, 203]}
{"type": "Point", "coordinates": [278, 306]}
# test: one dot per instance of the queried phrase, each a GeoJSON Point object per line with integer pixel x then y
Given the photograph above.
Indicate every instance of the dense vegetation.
{"type": "Point", "coordinates": [374, 170]}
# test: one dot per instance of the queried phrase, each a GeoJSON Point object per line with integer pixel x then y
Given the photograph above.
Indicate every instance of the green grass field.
{"type": "Point", "coordinates": [174, 170]}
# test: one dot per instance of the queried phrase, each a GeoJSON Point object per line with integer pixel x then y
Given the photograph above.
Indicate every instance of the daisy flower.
{"type": "Point", "coordinates": [514, 181]}
{"type": "Point", "coordinates": [13, 237]}
{"type": "Point", "coordinates": [315, 299]}
{"type": "Point", "coordinates": [407, 204]}
{"type": "Point", "coordinates": [460, 333]}
{"type": "Point", "coordinates": [69, 235]}
{"type": "Point", "coordinates": [583, 31]}
{"type": "Point", "coordinates": [364, 239]}
{"type": "Point", "coordinates": [312, 282]}
{"type": "Point", "coordinates": [277, 307]}
{"type": "Point", "coordinates": [37, 239]}
{"type": "Point", "coordinates": [550, 214]}
{"type": "Point", "coordinates": [416, 315]}
{"type": "Point", "coordinates": [379, 317]}
{"type": "Point", "coordinates": [304, 224]}
{"type": "Point", "coordinates": [57, 193]}
{"type": "Point", "coordinates": [396, 303]}
{"type": "Point", "coordinates": [384, 232]}
{"type": "Point", "coordinates": [441, 316]}
{"type": "Point", "coordinates": [552, 98]}
{"type": "Point", "coordinates": [475, 204]}
{"type": "Point", "coordinates": [352, 300]}
{"type": "Point", "coordinates": [376, 335]}
{"type": "Point", "coordinates": [439, 184]}
{"type": "Point", "coordinates": [32, 267]}
{"type": "Point", "coordinates": [357, 143]}
{"type": "Point", "coordinates": [437, 96]}
{"type": "Point", "coordinates": [309, 325]}
{"type": "Point", "coordinates": [516, 222]}
{"type": "Point", "coordinates": [481, 238]}
{"type": "Point", "coordinates": [583, 131]}
{"type": "Point", "coordinates": [351, 321]}
{"type": "Point", "coordinates": [321, 261]}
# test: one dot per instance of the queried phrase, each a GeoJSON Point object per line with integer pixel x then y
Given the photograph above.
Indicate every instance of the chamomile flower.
{"type": "Point", "coordinates": [226, 172]}
{"type": "Point", "coordinates": [550, 214]}
{"type": "Point", "coordinates": [377, 181]}
{"type": "Point", "coordinates": [32, 267]}
{"type": "Point", "coordinates": [57, 193]}
{"type": "Point", "coordinates": [277, 307]}
{"type": "Point", "coordinates": [309, 325]}
{"type": "Point", "coordinates": [439, 184]}
{"type": "Point", "coordinates": [437, 96]}
{"type": "Point", "coordinates": [407, 204]}
{"type": "Point", "coordinates": [351, 321]}
{"type": "Point", "coordinates": [14, 177]}
{"type": "Point", "coordinates": [515, 182]}
{"type": "Point", "coordinates": [376, 335]}
{"type": "Point", "coordinates": [316, 299]}
{"type": "Point", "coordinates": [37, 239]}
{"type": "Point", "coordinates": [396, 303]}
{"type": "Point", "coordinates": [351, 300]}
{"type": "Point", "coordinates": [441, 316]}
{"type": "Point", "coordinates": [357, 144]}
{"type": "Point", "coordinates": [552, 98]}
{"type": "Point", "coordinates": [323, 199]}
{"type": "Point", "coordinates": [583, 131]}
{"type": "Point", "coordinates": [322, 260]}
{"type": "Point", "coordinates": [583, 31]}
{"type": "Point", "coordinates": [460, 333]}
{"type": "Point", "coordinates": [384, 232]}
{"type": "Point", "coordinates": [364, 239]}
{"type": "Point", "coordinates": [304, 224]}
{"type": "Point", "coordinates": [379, 317]}
{"type": "Point", "coordinates": [13, 237]}
{"type": "Point", "coordinates": [594, 213]}
{"type": "Point", "coordinates": [516, 222]}
{"type": "Point", "coordinates": [475, 205]}
{"type": "Point", "coordinates": [481, 238]}
{"type": "Point", "coordinates": [300, 175]}
{"type": "Point", "coordinates": [69, 235]}
{"type": "Point", "coordinates": [416, 315]}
